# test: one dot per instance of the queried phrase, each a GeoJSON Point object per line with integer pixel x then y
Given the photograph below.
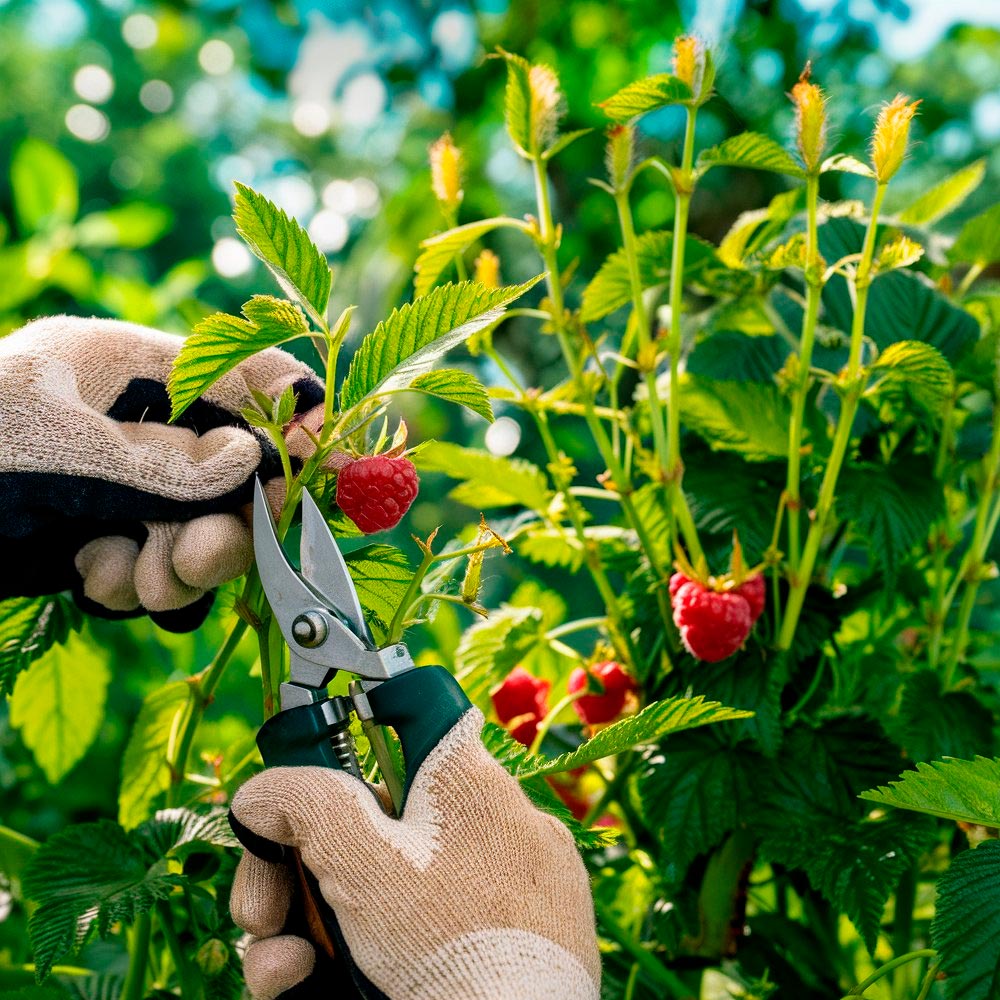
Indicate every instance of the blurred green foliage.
{"type": "Point", "coordinates": [116, 202]}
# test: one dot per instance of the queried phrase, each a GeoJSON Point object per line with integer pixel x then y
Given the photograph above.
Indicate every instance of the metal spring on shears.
{"type": "Point", "coordinates": [343, 747]}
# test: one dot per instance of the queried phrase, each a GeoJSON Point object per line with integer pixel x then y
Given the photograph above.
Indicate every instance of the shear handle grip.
{"type": "Point", "coordinates": [301, 736]}
{"type": "Point", "coordinates": [421, 705]}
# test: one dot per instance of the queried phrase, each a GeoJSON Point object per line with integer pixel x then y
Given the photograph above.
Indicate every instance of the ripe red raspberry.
{"type": "Point", "coordinates": [755, 591]}
{"type": "Point", "coordinates": [376, 491]}
{"type": "Point", "coordinates": [521, 702]}
{"type": "Point", "coordinates": [713, 625]}
{"type": "Point", "coordinates": [597, 708]}
{"type": "Point", "coordinates": [676, 582]}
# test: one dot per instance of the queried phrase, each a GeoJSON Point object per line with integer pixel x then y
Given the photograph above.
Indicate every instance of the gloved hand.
{"type": "Point", "coordinates": [473, 894]}
{"type": "Point", "coordinates": [99, 495]}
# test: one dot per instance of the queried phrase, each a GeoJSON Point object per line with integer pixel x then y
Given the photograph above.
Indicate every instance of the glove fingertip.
{"type": "Point", "coordinates": [274, 966]}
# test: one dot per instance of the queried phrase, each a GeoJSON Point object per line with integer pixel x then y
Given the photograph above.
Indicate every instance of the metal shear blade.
{"type": "Point", "coordinates": [317, 610]}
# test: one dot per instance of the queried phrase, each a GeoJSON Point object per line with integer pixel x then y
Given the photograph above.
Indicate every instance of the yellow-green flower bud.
{"type": "Point", "coordinates": [487, 269]}
{"type": "Point", "coordinates": [446, 173]}
{"type": "Point", "coordinates": [892, 132]}
{"type": "Point", "coordinates": [620, 153]}
{"type": "Point", "coordinates": [693, 66]}
{"type": "Point", "coordinates": [810, 120]}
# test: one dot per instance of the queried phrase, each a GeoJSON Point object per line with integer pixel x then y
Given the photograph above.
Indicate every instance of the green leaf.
{"type": "Point", "coordinates": [284, 246]}
{"type": "Point", "coordinates": [58, 705]}
{"type": "Point", "coordinates": [88, 875]}
{"type": "Point", "coordinates": [902, 304]}
{"type": "Point", "coordinates": [854, 864]}
{"type": "Point", "coordinates": [746, 417]}
{"type": "Point", "coordinates": [753, 151]}
{"type": "Point", "coordinates": [532, 104]}
{"type": "Point", "coordinates": [553, 547]}
{"type": "Point", "coordinates": [145, 771]}
{"type": "Point", "coordinates": [646, 95]}
{"type": "Point", "coordinates": [689, 795]}
{"type": "Point", "coordinates": [978, 241]}
{"type": "Point", "coordinates": [178, 832]}
{"type": "Point", "coordinates": [492, 648]}
{"type": "Point", "coordinates": [611, 287]}
{"type": "Point", "coordinates": [960, 790]}
{"type": "Point", "coordinates": [416, 334]}
{"type": "Point", "coordinates": [934, 723]}
{"type": "Point", "coordinates": [438, 253]}
{"type": "Point", "coordinates": [45, 186]}
{"type": "Point", "coordinates": [944, 197]}
{"type": "Point", "coordinates": [28, 627]}
{"type": "Point", "coordinates": [381, 575]}
{"type": "Point", "coordinates": [133, 226]}
{"type": "Point", "coordinates": [912, 374]}
{"type": "Point", "coordinates": [846, 164]}
{"type": "Point", "coordinates": [16, 850]}
{"type": "Point", "coordinates": [512, 756]}
{"type": "Point", "coordinates": [220, 342]}
{"type": "Point", "coordinates": [966, 926]}
{"type": "Point", "coordinates": [891, 508]}
{"type": "Point", "coordinates": [653, 723]}
{"type": "Point", "coordinates": [563, 141]}
{"type": "Point", "coordinates": [807, 813]}
{"type": "Point", "coordinates": [488, 480]}
{"type": "Point", "coordinates": [727, 493]}
{"type": "Point", "coordinates": [456, 387]}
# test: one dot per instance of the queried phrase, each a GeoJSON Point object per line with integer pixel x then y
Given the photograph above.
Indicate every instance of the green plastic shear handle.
{"type": "Point", "coordinates": [321, 620]}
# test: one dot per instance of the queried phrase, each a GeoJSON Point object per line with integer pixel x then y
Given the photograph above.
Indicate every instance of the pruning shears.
{"type": "Point", "coordinates": [321, 619]}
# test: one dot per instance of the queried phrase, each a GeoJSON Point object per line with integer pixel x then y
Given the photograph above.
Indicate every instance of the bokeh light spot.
{"type": "Point", "coordinates": [340, 196]}
{"type": "Point", "coordinates": [230, 258]}
{"type": "Point", "coordinates": [364, 99]}
{"type": "Point", "coordinates": [503, 436]}
{"type": "Point", "coordinates": [986, 116]}
{"type": "Point", "coordinates": [156, 96]}
{"type": "Point", "coordinates": [216, 57]}
{"type": "Point", "coordinates": [310, 118]}
{"type": "Point", "coordinates": [93, 83]}
{"type": "Point", "coordinates": [87, 123]}
{"type": "Point", "coordinates": [454, 35]}
{"type": "Point", "coordinates": [329, 230]}
{"type": "Point", "coordinates": [140, 31]}
{"type": "Point", "coordinates": [366, 197]}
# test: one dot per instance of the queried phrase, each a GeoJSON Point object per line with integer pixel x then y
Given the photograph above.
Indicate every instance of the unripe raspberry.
{"type": "Point", "coordinates": [376, 491]}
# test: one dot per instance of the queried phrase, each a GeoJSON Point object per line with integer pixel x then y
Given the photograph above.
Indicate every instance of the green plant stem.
{"type": "Point", "coordinates": [550, 717]}
{"type": "Point", "coordinates": [579, 625]}
{"type": "Point", "coordinates": [902, 928]}
{"type": "Point", "coordinates": [662, 977]}
{"type": "Point", "coordinates": [547, 245]}
{"type": "Point", "coordinates": [135, 979]}
{"type": "Point", "coordinates": [852, 382]}
{"type": "Point", "coordinates": [970, 276]}
{"type": "Point", "coordinates": [678, 510]}
{"type": "Point", "coordinates": [398, 623]}
{"type": "Point", "coordinates": [189, 980]}
{"type": "Point", "coordinates": [201, 690]}
{"type": "Point", "coordinates": [814, 289]}
{"type": "Point", "coordinates": [611, 790]}
{"type": "Point", "coordinates": [971, 570]}
{"type": "Point", "coordinates": [641, 319]}
{"type": "Point", "coordinates": [928, 983]}
{"type": "Point", "coordinates": [883, 970]}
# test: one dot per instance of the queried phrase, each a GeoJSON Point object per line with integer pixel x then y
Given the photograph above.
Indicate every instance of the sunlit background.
{"type": "Point", "coordinates": [329, 109]}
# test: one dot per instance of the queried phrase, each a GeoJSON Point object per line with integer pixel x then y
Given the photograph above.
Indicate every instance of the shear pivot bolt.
{"type": "Point", "coordinates": [309, 629]}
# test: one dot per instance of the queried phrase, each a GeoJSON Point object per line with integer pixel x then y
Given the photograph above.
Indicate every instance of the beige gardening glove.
{"type": "Point", "coordinates": [473, 894]}
{"type": "Point", "coordinates": [99, 495]}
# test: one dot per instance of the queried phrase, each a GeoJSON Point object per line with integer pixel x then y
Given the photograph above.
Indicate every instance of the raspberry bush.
{"type": "Point", "coordinates": [756, 687]}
